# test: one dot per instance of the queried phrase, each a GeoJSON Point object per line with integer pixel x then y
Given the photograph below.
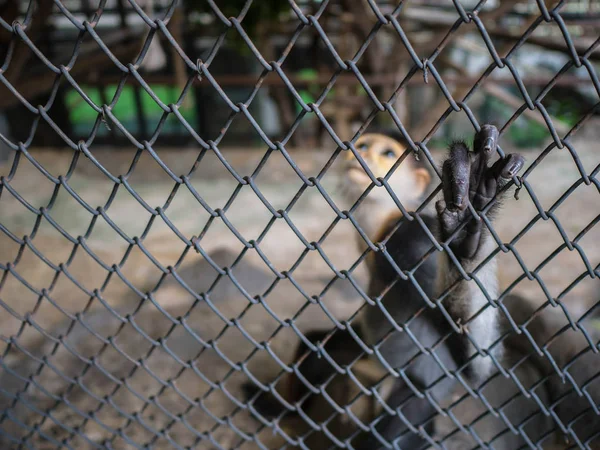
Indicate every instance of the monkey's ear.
{"type": "Point", "coordinates": [422, 180]}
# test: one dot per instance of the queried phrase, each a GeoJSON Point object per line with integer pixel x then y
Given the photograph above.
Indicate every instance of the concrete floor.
{"type": "Point", "coordinates": [278, 183]}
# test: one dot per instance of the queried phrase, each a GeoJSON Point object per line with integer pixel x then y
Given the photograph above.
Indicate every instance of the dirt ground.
{"type": "Point", "coordinates": [196, 349]}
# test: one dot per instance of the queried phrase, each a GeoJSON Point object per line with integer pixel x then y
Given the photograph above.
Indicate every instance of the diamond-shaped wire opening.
{"type": "Point", "coordinates": [317, 252]}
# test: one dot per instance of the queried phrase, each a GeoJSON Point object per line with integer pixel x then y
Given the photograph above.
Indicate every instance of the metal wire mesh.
{"type": "Point", "coordinates": [46, 405]}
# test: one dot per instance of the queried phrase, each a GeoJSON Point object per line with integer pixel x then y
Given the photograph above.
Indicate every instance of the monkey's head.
{"type": "Point", "coordinates": [410, 180]}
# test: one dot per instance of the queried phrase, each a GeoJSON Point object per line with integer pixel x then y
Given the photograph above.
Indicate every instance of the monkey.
{"type": "Point", "coordinates": [409, 244]}
{"type": "Point", "coordinates": [412, 190]}
{"type": "Point", "coordinates": [412, 182]}
{"type": "Point", "coordinates": [414, 348]}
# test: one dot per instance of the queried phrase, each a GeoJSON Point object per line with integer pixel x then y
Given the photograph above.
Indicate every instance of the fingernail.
{"type": "Point", "coordinates": [514, 169]}
{"type": "Point", "coordinates": [458, 200]}
{"type": "Point", "coordinates": [489, 143]}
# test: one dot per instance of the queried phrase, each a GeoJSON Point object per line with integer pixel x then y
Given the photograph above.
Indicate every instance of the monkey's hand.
{"type": "Point", "coordinates": [466, 178]}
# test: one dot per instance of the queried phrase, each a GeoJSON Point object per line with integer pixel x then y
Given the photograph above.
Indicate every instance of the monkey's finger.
{"type": "Point", "coordinates": [447, 183]}
{"type": "Point", "coordinates": [505, 168]}
{"type": "Point", "coordinates": [484, 146]}
{"type": "Point", "coordinates": [455, 177]}
{"type": "Point", "coordinates": [497, 176]}
{"type": "Point", "coordinates": [486, 140]}
{"type": "Point", "coordinates": [513, 166]}
{"type": "Point", "coordinates": [440, 207]}
{"type": "Point", "coordinates": [449, 220]}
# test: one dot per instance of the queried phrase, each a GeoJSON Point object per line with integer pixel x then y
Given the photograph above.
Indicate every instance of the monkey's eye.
{"type": "Point", "coordinates": [363, 147]}
{"type": "Point", "coordinates": [388, 154]}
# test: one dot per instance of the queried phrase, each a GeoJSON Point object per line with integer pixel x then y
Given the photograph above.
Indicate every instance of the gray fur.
{"type": "Point", "coordinates": [467, 300]}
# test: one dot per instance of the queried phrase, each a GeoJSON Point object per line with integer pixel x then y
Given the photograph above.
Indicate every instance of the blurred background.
{"type": "Point", "coordinates": [93, 228]}
{"type": "Point", "coordinates": [309, 66]}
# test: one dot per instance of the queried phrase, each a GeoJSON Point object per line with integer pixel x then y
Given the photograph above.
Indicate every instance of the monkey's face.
{"type": "Point", "coordinates": [380, 153]}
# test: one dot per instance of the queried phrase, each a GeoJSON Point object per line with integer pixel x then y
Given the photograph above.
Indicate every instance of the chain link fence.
{"type": "Point", "coordinates": [156, 372]}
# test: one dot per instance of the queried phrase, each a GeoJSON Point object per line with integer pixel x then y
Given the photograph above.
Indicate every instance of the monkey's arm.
{"type": "Point", "coordinates": [467, 180]}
